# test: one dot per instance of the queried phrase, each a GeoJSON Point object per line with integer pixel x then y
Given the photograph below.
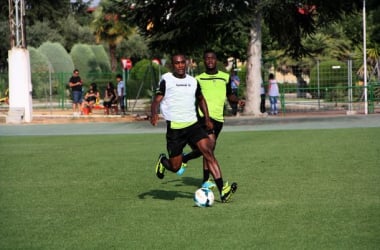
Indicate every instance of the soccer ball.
{"type": "Point", "coordinates": [204, 197]}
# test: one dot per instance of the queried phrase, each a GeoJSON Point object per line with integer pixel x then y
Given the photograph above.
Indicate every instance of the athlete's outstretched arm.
{"type": "Point", "coordinates": [203, 106]}
{"type": "Point", "coordinates": [154, 108]}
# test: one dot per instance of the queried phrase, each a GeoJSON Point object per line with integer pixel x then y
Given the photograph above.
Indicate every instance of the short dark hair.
{"type": "Point", "coordinates": [208, 51]}
{"type": "Point", "coordinates": [178, 54]}
{"type": "Point", "coordinates": [118, 76]}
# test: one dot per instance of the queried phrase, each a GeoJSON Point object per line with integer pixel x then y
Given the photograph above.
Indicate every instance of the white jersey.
{"type": "Point", "coordinates": [273, 88]}
{"type": "Point", "coordinates": [178, 104]}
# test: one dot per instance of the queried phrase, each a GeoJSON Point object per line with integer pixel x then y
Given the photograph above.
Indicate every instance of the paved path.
{"type": "Point", "coordinates": [231, 124]}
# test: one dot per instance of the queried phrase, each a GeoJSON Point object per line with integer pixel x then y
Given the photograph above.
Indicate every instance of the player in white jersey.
{"type": "Point", "coordinates": [177, 93]}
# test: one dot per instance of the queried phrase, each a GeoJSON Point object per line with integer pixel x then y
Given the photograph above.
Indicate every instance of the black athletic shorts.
{"type": "Point", "coordinates": [217, 126]}
{"type": "Point", "coordinates": [176, 139]}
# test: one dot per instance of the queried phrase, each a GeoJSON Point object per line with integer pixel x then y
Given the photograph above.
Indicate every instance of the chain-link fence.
{"type": "Point", "coordinates": [328, 86]}
{"type": "Point", "coordinates": [323, 86]}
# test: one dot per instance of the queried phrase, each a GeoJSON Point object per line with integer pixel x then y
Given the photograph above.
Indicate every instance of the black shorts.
{"type": "Point", "coordinates": [217, 126]}
{"type": "Point", "coordinates": [177, 139]}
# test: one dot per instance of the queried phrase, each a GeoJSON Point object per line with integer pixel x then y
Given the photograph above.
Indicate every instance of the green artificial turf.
{"type": "Point", "coordinates": [308, 189]}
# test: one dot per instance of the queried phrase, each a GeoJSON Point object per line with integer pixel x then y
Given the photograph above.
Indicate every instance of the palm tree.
{"type": "Point", "coordinates": [109, 29]}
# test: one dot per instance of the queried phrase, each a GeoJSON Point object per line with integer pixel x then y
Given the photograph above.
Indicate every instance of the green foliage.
{"type": "Point", "coordinates": [58, 57]}
{"type": "Point", "coordinates": [40, 32]}
{"type": "Point", "coordinates": [74, 33]}
{"type": "Point", "coordinates": [332, 74]}
{"type": "Point", "coordinates": [135, 47]}
{"type": "Point", "coordinates": [3, 83]}
{"type": "Point", "coordinates": [4, 45]}
{"type": "Point", "coordinates": [39, 64]}
{"type": "Point", "coordinates": [144, 75]}
{"type": "Point", "coordinates": [84, 60]}
{"type": "Point", "coordinates": [42, 10]}
{"type": "Point", "coordinates": [194, 25]}
{"type": "Point", "coordinates": [109, 29]}
{"type": "Point", "coordinates": [102, 58]}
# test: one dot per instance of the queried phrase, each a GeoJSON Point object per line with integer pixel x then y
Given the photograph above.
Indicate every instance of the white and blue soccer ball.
{"type": "Point", "coordinates": [204, 197]}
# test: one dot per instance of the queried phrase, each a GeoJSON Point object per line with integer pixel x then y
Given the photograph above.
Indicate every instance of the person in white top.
{"type": "Point", "coordinates": [273, 94]}
{"type": "Point", "coordinates": [177, 94]}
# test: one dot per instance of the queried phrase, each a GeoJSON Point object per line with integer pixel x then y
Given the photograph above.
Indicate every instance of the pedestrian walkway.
{"type": "Point", "coordinates": [242, 123]}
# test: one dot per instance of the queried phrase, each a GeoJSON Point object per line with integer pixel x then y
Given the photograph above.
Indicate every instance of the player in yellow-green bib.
{"type": "Point", "coordinates": [216, 87]}
{"type": "Point", "coordinates": [176, 96]}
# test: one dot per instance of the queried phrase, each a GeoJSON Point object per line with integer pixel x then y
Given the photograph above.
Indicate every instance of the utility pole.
{"type": "Point", "coordinates": [365, 60]}
{"type": "Point", "coordinates": [20, 83]}
{"type": "Point", "coordinates": [17, 23]}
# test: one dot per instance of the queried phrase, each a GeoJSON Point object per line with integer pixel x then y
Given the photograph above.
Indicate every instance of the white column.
{"type": "Point", "coordinates": [20, 83]}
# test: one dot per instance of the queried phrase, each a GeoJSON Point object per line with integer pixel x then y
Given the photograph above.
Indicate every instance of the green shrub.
{"type": "Point", "coordinates": [332, 74]}
{"type": "Point", "coordinates": [144, 74]}
{"type": "Point", "coordinates": [58, 57]}
{"type": "Point", "coordinates": [84, 59]}
{"type": "Point", "coordinates": [102, 58]}
{"type": "Point", "coordinates": [39, 66]}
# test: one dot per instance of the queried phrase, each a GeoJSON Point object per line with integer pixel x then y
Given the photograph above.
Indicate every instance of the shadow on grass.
{"type": "Point", "coordinates": [170, 194]}
{"type": "Point", "coordinates": [187, 181]}
{"type": "Point", "coordinates": [166, 195]}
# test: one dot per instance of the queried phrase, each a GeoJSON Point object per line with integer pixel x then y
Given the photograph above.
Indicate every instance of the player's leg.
{"type": "Point", "coordinates": [225, 190]}
{"type": "Point", "coordinates": [195, 153]}
{"type": "Point", "coordinates": [213, 135]}
{"type": "Point", "coordinates": [176, 140]}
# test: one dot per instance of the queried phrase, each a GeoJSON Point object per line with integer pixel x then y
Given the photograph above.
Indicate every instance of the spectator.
{"type": "Point", "coordinates": [110, 98]}
{"type": "Point", "coordinates": [273, 93]}
{"type": "Point", "coordinates": [92, 95]}
{"type": "Point", "coordinates": [121, 91]}
{"type": "Point", "coordinates": [235, 82]}
{"type": "Point", "coordinates": [75, 83]}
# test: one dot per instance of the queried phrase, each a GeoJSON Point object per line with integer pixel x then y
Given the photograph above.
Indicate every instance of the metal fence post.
{"type": "Point", "coordinates": [282, 100]}
{"type": "Point", "coordinates": [371, 104]}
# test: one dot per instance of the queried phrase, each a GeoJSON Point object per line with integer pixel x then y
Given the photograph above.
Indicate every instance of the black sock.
{"type": "Point", "coordinates": [219, 184]}
{"type": "Point", "coordinates": [165, 162]}
{"type": "Point", "coordinates": [206, 175]}
{"type": "Point", "coordinates": [191, 155]}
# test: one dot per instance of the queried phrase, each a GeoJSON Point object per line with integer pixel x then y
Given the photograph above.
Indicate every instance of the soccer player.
{"type": "Point", "coordinates": [177, 94]}
{"type": "Point", "coordinates": [215, 86]}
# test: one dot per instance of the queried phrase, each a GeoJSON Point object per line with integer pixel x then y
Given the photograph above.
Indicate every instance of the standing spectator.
{"type": "Point", "coordinates": [121, 91]}
{"type": "Point", "coordinates": [177, 95]}
{"type": "Point", "coordinates": [110, 98]}
{"type": "Point", "coordinates": [262, 95]}
{"type": "Point", "coordinates": [75, 83]}
{"type": "Point", "coordinates": [273, 93]}
{"type": "Point", "coordinates": [235, 82]}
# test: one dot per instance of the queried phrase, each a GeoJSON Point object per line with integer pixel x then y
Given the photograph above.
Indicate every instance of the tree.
{"type": "Point", "coordinates": [40, 32]}
{"type": "Point", "coordinates": [73, 32]}
{"type": "Point", "coordinates": [135, 48]}
{"type": "Point", "coordinates": [109, 29]}
{"type": "Point", "coordinates": [43, 10]}
{"type": "Point", "coordinates": [192, 25]}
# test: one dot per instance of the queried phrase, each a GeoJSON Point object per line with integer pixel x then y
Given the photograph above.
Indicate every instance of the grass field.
{"type": "Point", "coordinates": [308, 189]}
